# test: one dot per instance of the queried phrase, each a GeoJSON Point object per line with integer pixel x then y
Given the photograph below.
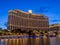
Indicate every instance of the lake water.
{"type": "Point", "coordinates": [31, 41]}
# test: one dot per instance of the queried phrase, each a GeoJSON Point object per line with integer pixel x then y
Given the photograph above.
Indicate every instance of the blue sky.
{"type": "Point", "coordinates": [50, 8]}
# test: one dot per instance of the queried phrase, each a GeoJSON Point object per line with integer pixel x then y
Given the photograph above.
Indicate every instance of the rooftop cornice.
{"type": "Point", "coordinates": [29, 13]}
{"type": "Point", "coordinates": [54, 25]}
{"type": "Point", "coordinates": [26, 12]}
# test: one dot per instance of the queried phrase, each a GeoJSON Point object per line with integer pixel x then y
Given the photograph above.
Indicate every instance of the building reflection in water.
{"type": "Point", "coordinates": [38, 41]}
{"type": "Point", "coordinates": [31, 41]}
{"type": "Point", "coordinates": [2, 42]}
{"type": "Point", "coordinates": [55, 41]}
{"type": "Point", "coordinates": [46, 41]}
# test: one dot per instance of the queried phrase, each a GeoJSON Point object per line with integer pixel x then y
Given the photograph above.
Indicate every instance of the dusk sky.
{"type": "Point", "coordinates": [50, 8]}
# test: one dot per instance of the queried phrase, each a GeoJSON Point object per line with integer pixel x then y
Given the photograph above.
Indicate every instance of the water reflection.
{"type": "Point", "coordinates": [55, 41]}
{"type": "Point", "coordinates": [31, 41]}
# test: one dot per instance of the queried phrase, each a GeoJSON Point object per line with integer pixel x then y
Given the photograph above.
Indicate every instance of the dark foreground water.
{"type": "Point", "coordinates": [31, 41]}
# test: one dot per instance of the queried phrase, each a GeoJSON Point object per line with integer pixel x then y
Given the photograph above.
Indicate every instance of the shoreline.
{"type": "Point", "coordinates": [23, 36]}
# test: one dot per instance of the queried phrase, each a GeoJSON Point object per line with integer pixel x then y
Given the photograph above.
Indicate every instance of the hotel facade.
{"type": "Point", "coordinates": [18, 19]}
{"type": "Point", "coordinates": [54, 27]}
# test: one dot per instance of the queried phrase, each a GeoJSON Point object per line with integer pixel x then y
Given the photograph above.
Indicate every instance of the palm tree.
{"type": "Point", "coordinates": [0, 28]}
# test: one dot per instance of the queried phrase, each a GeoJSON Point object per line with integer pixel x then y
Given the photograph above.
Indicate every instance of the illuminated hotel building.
{"type": "Point", "coordinates": [54, 27]}
{"type": "Point", "coordinates": [18, 19]}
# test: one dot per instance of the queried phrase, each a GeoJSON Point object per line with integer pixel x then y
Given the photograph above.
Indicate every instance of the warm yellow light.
{"type": "Point", "coordinates": [30, 11]}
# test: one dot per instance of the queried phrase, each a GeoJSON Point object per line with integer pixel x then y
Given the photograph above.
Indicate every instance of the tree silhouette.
{"type": "Point", "coordinates": [6, 24]}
